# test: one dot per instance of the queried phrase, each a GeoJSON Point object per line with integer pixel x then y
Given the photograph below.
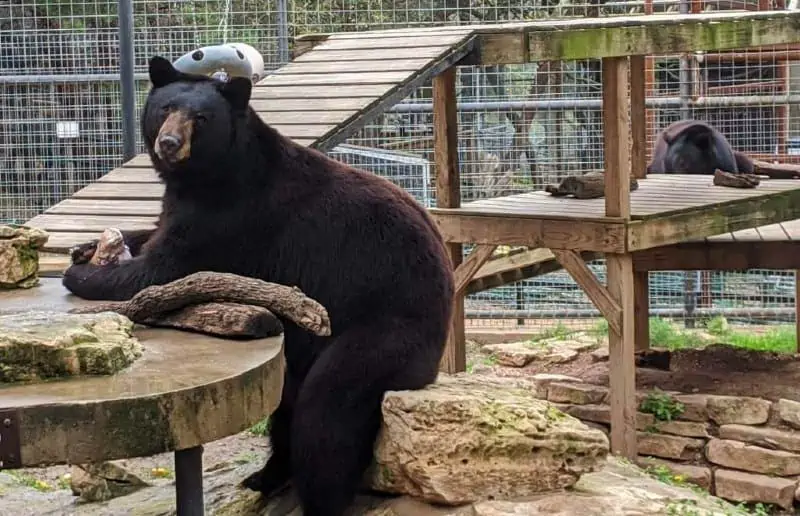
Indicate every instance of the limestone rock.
{"type": "Point", "coordinates": [579, 342]}
{"type": "Point", "coordinates": [739, 486]}
{"type": "Point", "coordinates": [725, 410]}
{"type": "Point", "coordinates": [789, 412]}
{"type": "Point", "coordinates": [738, 455]}
{"type": "Point", "coordinates": [695, 407]}
{"type": "Point", "coordinates": [602, 414]}
{"type": "Point", "coordinates": [520, 354]}
{"type": "Point", "coordinates": [19, 256]}
{"type": "Point", "coordinates": [542, 382]}
{"type": "Point", "coordinates": [762, 436]}
{"type": "Point", "coordinates": [697, 475]}
{"type": "Point", "coordinates": [104, 481]}
{"type": "Point", "coordinates": [669, 446]}
{"type": "Point", "coordinates": [463, 439]}
{"type": "Point", "coordinates": [577, 394]}
{"type": "Point", "coordinates": [39, 344]}
{"type": "Point", "coordinates": [683, 428]}
{"type": "Point", "coordinates": [600, 354]}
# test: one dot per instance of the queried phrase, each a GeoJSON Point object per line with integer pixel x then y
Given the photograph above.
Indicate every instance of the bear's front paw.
{"type": "Point", "coordinates": [82, 253]}
{"type": "Point", "coordinates": [76, 274]}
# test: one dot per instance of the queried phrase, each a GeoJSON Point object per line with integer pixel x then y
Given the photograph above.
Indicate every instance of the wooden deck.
{"type": "Point", "coordinates": [665, 209]}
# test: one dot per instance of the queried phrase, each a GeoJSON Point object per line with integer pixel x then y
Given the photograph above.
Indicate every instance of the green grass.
{"type": "Point", "coordinates": [669, 335]}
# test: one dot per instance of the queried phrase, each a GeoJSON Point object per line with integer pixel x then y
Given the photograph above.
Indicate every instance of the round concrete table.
{"type": "Point", "coordinates": [185, 390]}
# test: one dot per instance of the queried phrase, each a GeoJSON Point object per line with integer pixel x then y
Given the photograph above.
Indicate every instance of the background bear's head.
{"type": "Point", "coordinates": [190, 121]}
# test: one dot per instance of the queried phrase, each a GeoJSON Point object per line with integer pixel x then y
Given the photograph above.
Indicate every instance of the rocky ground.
{"type": "Point", "coordinates": [615, 487]}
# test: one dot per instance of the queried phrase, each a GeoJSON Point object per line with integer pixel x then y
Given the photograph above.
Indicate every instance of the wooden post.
{"type": "Point", "coordinates": [797, 310]}
{"type": "Point", "coordinates": [448, 195]}
{"type": "Point", "coordinates": [638, 118]}
{"type": "Point", "coordinates": [616, 134]}
{"type": "Point", "coordinates": [641, 301]}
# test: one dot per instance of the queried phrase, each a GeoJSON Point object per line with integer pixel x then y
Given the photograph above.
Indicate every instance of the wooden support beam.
{"type": "Point", "coordinates": [595, 291]}
{"type": "Point", "coordinates": [797, 310]}
{"type": "Point", "coordinates": [638, 118]}
{"type": "Point", "coordinates": [466, 271]}
{"type": "Point", "coordinates": [448, 195]}
{"type": "Point", "coordinates": [622, 373]}
{"type": "Point", "coordinates": [641, 303]}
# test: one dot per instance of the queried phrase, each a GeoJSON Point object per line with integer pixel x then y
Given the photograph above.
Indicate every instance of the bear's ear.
{"type": "Point", "coordinates": [237, 92]}
{"type": "Point", "coordinates": [162, 72]}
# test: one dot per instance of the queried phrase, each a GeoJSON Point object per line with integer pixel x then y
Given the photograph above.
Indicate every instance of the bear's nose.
{"type": "Point", "coordinates": [169, 144]}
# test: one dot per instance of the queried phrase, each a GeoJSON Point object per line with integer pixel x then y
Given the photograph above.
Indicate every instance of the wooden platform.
{"type": "Point", "coordinates": [665, 209]}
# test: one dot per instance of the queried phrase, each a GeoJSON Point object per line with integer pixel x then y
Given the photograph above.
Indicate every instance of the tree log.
{"type": "Point", "coordinates": [722, 178]}
{"type": "Point", "coordinates": [221, 320]}
{"type": "Point", "coordinates": [587, 186]}
{"type": "Point", "coordinates": [777, 170]}
{"type": "Point", "coordinates": [154, 302]}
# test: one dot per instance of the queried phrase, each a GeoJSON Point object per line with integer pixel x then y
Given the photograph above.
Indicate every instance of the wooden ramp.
{"type": "Point", "coordinates": [321, 98]}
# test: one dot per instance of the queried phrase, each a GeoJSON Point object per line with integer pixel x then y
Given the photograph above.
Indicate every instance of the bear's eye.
{"type": "Point", "coordinates": [200, 118]}
{"type": "Point", "coordinates": [165, 109]}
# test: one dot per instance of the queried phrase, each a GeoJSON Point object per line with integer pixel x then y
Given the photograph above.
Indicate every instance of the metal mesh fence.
{"type": "Point", "coordinates": [521, 126]}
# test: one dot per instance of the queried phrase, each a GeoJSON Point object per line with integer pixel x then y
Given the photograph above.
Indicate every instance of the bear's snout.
{"type": "Point", "coordinates": [169, 145]}
{"type": "Point", "coordinates": [174, 138]}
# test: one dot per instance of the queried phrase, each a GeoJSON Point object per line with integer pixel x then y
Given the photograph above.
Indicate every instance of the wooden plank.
{"type": "Point", "coordinates": [638, 117]}
{"type": "Point", "coordinates": [90, 223]}
{"type": "Point", "coordinates": [130, 175]}
{"type": "Point", "coordinates": [595, 291]}
{"type": "Point", "coordinates": [371, 54]}
{"type": "Point", "coordinates": [305, 132]}
{"type": "Point", "coordinates": [792, 229]}
{"type": "Point", "coordinates": [453, 56]}
{"type": "Point", "coordinates": [334, 79]}
{"type": "Point", "coordinates": [746, 235]}
{"type": "Point", "coordinates": [315, 104]}
{"type": "Point", "coordinates": [552, 233]}
{"type": "Point", "coordinates": [714, 220]}
{"type": "Point", "coordinates": [448, 194]}
{"type": "Point", "coordinates": [619, 266]}
{"type": "Point", "coordinates": [616, 131]}
{"type": "Point", "coordinates": [773, 232]}
{"type": "Point", "coordinates": [309, 118]}
{"type": "Point", "coordinates": [320, 92]}
{"type": "Point", "coordinates": [604, 40]}
{"type": "Point", "coordinates": [139, 161]}
{"type": "Point", "coordinates": [99, 207]}
{"type": "Point", "coordinates": [350, 66]}
{"type": "Point", "coordinates": [62, 242]}
{"type": "Point", "coordinates": [119, 191]}
{"type": "Point", "coordinates": [720, 256]}
{"type": "Point", "coordinates": [390, 43]}
{"type": "Point", "coordinates": [477, 257]}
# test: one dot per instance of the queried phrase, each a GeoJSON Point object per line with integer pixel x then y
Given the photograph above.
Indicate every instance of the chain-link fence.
{"type": "Point", "coordinates": [521, 126]}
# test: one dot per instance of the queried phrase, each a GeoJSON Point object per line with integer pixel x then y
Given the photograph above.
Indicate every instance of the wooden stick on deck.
{"type": "Point", "coordinates": [448, 195]}
{"type": "Point", "coordinates": [616, 131]}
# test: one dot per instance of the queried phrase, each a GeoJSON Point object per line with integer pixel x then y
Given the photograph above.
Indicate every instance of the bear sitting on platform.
{"type": "Point", "coordinates": [241, 198]}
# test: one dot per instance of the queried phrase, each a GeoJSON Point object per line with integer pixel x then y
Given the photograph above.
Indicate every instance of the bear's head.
{"type": "Point", "coordinates": [191, 121]}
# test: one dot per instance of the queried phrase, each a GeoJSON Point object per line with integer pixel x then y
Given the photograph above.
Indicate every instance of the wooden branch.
{"type": "Point", "coordinates": [588, 186]}
{"type": "Point", "coordinates": [595, 291]}
{"type": "Point", "coordinates": [465, 272]}
{"type": "Point", "coordinates": [776, 170]}
{"type": "Point", "coordinates": [221, 320]}
{"type": "Point", "coordinates": [722, 178]}
{"type": "Point", "coordinates": [205, 287]}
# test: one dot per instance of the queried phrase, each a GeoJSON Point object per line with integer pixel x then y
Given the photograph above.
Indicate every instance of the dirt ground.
{"type": "Point", "coordinates": [717, 369]}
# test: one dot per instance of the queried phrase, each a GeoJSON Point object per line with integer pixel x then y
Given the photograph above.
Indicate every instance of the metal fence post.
{"type": "Point", "coordinates": [127, 83]}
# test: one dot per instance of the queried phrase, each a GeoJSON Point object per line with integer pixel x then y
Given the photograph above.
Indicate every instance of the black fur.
{"type": "Point", "coordinates": [251, 202]}
{"type": "Point", "coordinates": [695, 147]}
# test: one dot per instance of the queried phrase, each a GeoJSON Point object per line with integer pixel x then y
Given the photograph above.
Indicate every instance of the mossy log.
{"type": "Point", "coordinates": [587, 186]}
{"type": "Point", "coordinates": [722, 178]}
{"type": "Point", "coordinates": [201, 302]}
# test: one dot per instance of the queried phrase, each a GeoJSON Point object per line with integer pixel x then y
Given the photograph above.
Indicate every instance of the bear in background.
{"type": "Point", "coordinates": [241, 198]}
{"type": "Point", "coordinates": [695, 147]}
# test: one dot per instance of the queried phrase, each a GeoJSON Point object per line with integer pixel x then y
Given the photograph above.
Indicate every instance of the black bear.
{"type": "Point", "coordinates": [695, 147]}
{"type": "Point", "coordinates": [241, 198]}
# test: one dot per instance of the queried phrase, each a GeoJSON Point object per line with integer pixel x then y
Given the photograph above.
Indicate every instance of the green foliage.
{"type": "Point", "coordinates": [663, 406]}
{"type": "Point", "coordinates": [260, 428]}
